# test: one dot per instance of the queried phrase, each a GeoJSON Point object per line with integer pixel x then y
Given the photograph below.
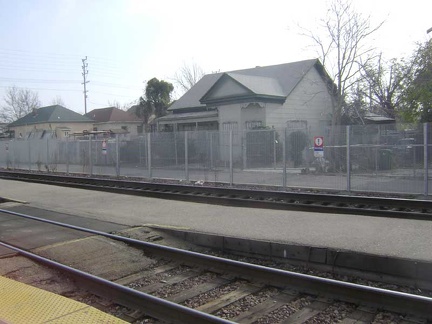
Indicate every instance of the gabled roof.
{"type": "Point", "coordinates": [50, 114]}
{"type": "Point", "coordinates": [111, 114]}
{"type": "Point", "coordinates": [259, 84]}
{"type": "Point", "coordinates": [233, 86]}
{"type": "Point", "coordinates": [274, 81]}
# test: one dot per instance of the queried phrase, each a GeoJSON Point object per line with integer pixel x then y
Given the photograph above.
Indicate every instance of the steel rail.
{"type": "Point", "coordinates": [153, 306]}
{"type": "Point", "coordinates": [281, 200]}
{"type": "Point", "coordinates": [376, 297]}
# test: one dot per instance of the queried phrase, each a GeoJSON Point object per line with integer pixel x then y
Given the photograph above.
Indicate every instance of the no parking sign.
{"type": "Point", "coordinates": [319, 146]}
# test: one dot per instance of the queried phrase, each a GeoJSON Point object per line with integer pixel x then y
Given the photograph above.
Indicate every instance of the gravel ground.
{"type": "Point", "coordinates": [213, 294]}
{"type": "Point", "coordinates": [246, 303]}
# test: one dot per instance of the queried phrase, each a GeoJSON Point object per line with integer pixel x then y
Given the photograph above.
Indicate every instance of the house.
{"type": "Point", "coordinates": [55, 121]}
{"type": "Point", "coordinates": [115, 121]}
{"type": "Point", "coordinates": [3, 130]}
{"type": "Point", "coordinates": [293, 95]}
{"type": "Point", "coordinates": [372, 118]}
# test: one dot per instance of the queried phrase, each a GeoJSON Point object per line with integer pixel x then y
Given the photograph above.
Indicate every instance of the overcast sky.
{"type": "Point", "coordinates": [128, 42]}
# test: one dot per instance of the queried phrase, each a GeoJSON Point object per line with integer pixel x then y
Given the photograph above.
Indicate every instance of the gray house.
{"type": "Point", "coordinates": [292, 95]}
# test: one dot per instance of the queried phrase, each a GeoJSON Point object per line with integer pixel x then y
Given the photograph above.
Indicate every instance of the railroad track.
{"type": "Point", "coordinates": [190, 287]}
{"type": "Point", "coordinates": [282, 200]}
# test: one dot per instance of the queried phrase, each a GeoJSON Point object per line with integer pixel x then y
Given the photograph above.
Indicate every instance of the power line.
{"type": "Point", "coordinates": [37, 80]}
{"type": "Point", "coordinates": [56, 81]}
{"type": "Point", "coordinates": [44, 89]}
{"type": "Point", "coordinates": [33, 53]}
{"type": "Point", "coordinates": [113, 94]}
{"type": "Point", "coordinates": [50, 56]}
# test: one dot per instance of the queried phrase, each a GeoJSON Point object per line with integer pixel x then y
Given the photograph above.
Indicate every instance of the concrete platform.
{"type": "Point", "coordinates": [396, 246]}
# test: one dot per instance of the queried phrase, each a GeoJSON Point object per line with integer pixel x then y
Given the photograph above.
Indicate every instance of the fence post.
{"type": "Point", "coordinates": [348, 160]}
{"type": "Point", "coordinates": [284, 181]}
{"type": "Point", "coordinates": [175, 147]}
{"type": "Point", "coordinates": [186, 156]}
{"type": "Point", "coordinates": [377, 149]}
{"type": "Point", "coordinates": [67, 155]}
{"type": "Point", "coordinates": [231, 157]}
{"type": "Point", "coordinates": [149, 166]}
{"type": "Point", "coordinates": [117, 155]}
{"type": "Point", "coordinates": [90, 155]}
{"type": "Point", "coordinates": [13, 153]}
{"type": "Point", "coordinates": [244, 149]}
{"type": "Point", "coordinates": [29, 153]}
{"type": "Point", "coordinates": [274, 149]}
{"type": "Point", "coordinates": [47, 154]}
{"type": "Point", "coordinates": [425, 158]}
{"type": "Point", "coordinates": [211, 150]}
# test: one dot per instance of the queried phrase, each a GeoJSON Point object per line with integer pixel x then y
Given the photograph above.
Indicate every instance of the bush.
{"type": "Point", "coordinates": [297, 142]}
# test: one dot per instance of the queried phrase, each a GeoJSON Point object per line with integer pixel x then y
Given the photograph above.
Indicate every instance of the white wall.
{"type": "Point", "coordinates": [309, 101]}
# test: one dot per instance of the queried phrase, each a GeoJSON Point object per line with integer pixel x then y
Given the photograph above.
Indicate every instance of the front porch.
{"type": "Point", "coordinates": [193, 121]}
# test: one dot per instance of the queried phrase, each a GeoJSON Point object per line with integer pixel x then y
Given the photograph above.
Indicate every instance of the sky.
{"type": "Point", "coordinates": [128, 42]}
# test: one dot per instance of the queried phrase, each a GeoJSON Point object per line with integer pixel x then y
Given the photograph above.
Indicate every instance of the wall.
{"type": "Point", "coordinates": [309, 101]}
{"type": "Point", "coordinates": [74, 128]}
{"type": "Point", "coordinates": [131, 126]}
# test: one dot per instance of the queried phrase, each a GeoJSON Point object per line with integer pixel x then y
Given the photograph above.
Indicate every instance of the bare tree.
{"type": "Point", "coordinates": [114, 104]}
{"type": "Point", "coordinates": [341, 48]}
{"type": "Point", "coordinates": [188, 76]}
{"type": "Point", "coordinates": [18, 103]}
{"type": "Point", "coordinates": [58, 101]}
{"type": "Point", "coordinates": [125, 106]}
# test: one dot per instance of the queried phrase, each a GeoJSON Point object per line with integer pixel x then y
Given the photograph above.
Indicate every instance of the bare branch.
{"type": "Point", "coordinates": [188, 76]}
{"type": "Point", "coordinates": [18, 103]}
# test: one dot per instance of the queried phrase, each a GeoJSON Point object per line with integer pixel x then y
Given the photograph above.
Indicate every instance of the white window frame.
{"type": "Point", "coordinates": [296, 124]}
{"type": "Point", "coordinates": [251, 124]}
{"type": "Point", "coordinates": [229, 126]}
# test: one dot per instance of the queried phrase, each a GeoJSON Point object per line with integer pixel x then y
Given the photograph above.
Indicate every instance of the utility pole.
{"type": "Point", "coordinates": [84, 74]}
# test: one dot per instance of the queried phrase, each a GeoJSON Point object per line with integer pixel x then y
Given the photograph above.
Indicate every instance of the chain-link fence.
{"type": "Point", "coordinates": [367, 158]}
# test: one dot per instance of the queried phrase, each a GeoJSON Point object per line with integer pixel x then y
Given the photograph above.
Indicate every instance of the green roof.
{"type": "Point", "coordinates": [51, 114]}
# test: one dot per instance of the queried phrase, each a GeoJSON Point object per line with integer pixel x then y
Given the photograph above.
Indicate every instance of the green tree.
{"type": "Point", "coordinates": [158, 96]}
{"type": "Point", "coordinates": [384, 85]}
{"type": "Point", "coordinates": [156, 99]}
{"type": "Point", "coordinates": [418, 93]}
{"type": "Point", "coordinates": [144, 111]}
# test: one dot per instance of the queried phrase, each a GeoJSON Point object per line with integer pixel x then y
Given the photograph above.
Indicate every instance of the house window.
{"type": "Point", "coordinates": [296, 124]}
{"type": "Point", "coordinates": [140, 129]}
{"type": "Point", "coordinates": [229, 126]}
{"type": "Point", "coordinates": [66, 133]}
{"type": "Point", "coordinates": [253, 124]}
{"type": "Point", "coordinates": [124, 128]}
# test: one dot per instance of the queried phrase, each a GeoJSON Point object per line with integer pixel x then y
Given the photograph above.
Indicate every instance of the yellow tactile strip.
{"type": "Point", "coordinates": [23, 304]}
